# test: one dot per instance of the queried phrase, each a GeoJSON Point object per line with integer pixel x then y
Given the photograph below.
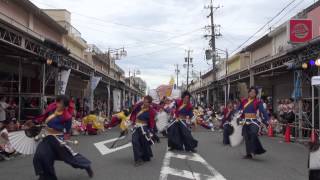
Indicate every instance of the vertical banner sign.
{"type": "Point", "coordinates": [109, 98]}
{"type": "Point", "coordinates": [228, 90]}
{"type": "Point", "coordinates": [259, 95]}
{"type": "Point", "coordinates": [225, 95]}
{"type": "Point", "coordinates": [62, 84]}
{"type": "Point", "coordinates": [94, 81]}
{"type": "Point", "coordinates": [300, 30]}
{"type": "Point", "coordinates": [116, 100]}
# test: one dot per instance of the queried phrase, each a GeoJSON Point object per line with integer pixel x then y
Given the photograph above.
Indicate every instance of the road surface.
{"type": "Point", "coordinates": [212, 161]}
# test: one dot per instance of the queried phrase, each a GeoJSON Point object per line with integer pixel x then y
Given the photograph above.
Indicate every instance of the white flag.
{"type": "Point", "coordinates": [64, 74]}
{"type": "Point", "coordinates": [94, 82]}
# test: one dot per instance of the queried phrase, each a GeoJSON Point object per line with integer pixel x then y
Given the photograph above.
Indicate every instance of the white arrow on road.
{"type": "Point", "coordinates": [104, 150]}
{"type": "Point", "coordinates": [166, 170]}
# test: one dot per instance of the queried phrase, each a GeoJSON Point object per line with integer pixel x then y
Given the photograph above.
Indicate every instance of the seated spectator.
{"type": "Point", "coordinates": [91, 123]}
{"type": "Point", "coordinates": [6, 150]}
{"type": "Point", "coordinates": [13, 125]}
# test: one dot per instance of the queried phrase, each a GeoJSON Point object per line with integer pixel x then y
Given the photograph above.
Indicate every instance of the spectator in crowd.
{"type": "Point", "coordinates": [263, 101]}
{"type": "Point", "coordinates": [280, 107]}
{"type": "Point", "coordinates": [236, 103]}
{"type": "Point", "coordinates": [274, 123]}
{"type": "Point", "coordinates": [288, 113]}
{"type": "Point", "coordinates": [270, 104]}
{"type": "Point", "coordinates": [86, 106]}
{"type": "Point", "coordinates": [3, 108]}
{"type": "Point", "coordinates": [91, 123]}
{"type": "Point", "coordinates": [6, 150]}
{"type": "Point", "coordinates": [12, 109]}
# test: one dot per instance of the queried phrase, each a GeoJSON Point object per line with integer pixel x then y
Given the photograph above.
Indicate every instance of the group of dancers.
{"type": "Point", "coordinates": [178, 132]}
{"type": "Point", "coordinates": [57, 119]}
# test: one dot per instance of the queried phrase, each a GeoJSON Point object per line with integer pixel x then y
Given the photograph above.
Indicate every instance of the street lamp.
{"type": "Point", "coordinates": [117, 53]}
{"type": "Point", "coordinates": [135, 72]}
{"type": "Point", "coordinates": [188, 61]}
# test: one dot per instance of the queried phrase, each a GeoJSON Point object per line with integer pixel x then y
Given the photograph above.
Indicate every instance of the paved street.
{"type": "Point", "coordinates": [213, 161]}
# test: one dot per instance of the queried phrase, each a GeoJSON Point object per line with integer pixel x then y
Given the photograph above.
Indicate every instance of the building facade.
{"type": "Point", "coordinates": [36, 46]}
{"type": "Point", "coordinates": [274, 65]}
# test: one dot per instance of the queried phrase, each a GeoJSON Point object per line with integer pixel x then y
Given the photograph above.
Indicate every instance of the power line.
{"type": "Point", "coordinates": [261, 28]}
{"type": "Point", "coordinates": [155, 43]}
{"type": "Point", "coordinates": [110, 22]}
{"type": "Point", "coordinates": [157, 51]}
{"type": "Point", "coordinates": [142, 42]}
{"type": "Point", "coordinates": [153, 52]}
{"type": "Point", "coordinates": [171, 38]}
{"type": "Point", "coordinates": [293, 8]}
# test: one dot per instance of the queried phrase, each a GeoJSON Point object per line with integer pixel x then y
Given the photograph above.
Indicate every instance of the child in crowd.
{"type": "Point", "coordinates": [6, 150]}
{"type": "Point", "coordinates": [275, 123]}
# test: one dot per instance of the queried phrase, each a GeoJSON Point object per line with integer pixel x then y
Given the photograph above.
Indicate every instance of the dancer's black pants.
{"type": "Point", "coordinates": [140, 145]}
{"type": "Point", "coordinates": [253, 144]}
{"type": "Point", "coordinates": [179, 136]}
{"type": "Point", "coordinates": [50, 150]}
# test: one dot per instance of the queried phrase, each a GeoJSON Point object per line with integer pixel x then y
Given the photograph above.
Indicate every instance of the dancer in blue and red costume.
{"type": "Point", "coordinates": [179, 134]}
{"type": "Point", "coordinates": [225, 124]}
{"type": "Point", "coordinates": [251, 125]}
{"type": "Point", "coordinates": [142, 118]}
{"type": "Point", "coordinates": [58, 124]}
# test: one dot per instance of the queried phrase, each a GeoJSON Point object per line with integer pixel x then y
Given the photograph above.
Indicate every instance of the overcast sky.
{"type": "Point", "coordinates": [156, 33]}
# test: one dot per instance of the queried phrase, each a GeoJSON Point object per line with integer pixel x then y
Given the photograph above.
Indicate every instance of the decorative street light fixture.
{"type": "Point", "coordinates": [117, 53]}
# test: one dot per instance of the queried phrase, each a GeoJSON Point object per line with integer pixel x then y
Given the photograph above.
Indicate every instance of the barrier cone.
{"type": "Point", "coordinates": [313, 137]}
{"type": "Point", "coordinates": [270, 131]}
{"type": "Point", "coordinates": [287, 134]}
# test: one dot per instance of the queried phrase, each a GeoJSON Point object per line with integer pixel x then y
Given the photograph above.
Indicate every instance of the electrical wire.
{"type": "Point", "coordinates": [160, 43]}
{"type": "Point", "coordinates": [292, 9]}
{"type": "Point", "coordinates": [266, 24]}
{"type": "Point", "coordinates": [109, 22]}
{"type": "Point", "coordinates": [157, 51]}
{"type": "Point", "coordinates": [134, 45]}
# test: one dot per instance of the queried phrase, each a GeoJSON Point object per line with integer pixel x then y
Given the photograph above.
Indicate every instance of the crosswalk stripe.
{"type": "Point", "coordinates": [187, 174]}
{"type": "Point", "coordinates": [166, 170]}
{"type": "Point", "coordinates": [193, 157]}
{"type": "Point", "coordinates": [104, 150]}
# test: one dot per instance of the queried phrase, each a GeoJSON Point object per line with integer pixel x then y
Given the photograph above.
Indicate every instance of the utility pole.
{"type": "Point", "coordinates": [188, 69]}
{"type": "Point", "coordinates": [200, 81]}
{"type": "Point", "coordinates": [226, 79]}
{"type": "Point", "coordinates": [212, 38]}
{"type": "Point", "coordinates": [188, 60]}
{"type": "Point", "coordinates": [213, 33]}
{"type": "Point", "coordinates": [177, 71]}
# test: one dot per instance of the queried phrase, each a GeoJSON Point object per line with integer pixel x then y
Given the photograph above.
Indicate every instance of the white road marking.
{"type": "Point", "coordinates": [104, 150]}
{"type": "Point", "coordinates": [166, 170]}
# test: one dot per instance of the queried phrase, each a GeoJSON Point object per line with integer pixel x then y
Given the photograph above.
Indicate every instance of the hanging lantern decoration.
{"type": "Point", "coordinates": [312, 62]}
{"type": "Point", "coordinates": [49, 61]}
{"type": "Point", "coordinates": [317, 62]}
{"type": "Point", "coordinates": [304, 65]}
